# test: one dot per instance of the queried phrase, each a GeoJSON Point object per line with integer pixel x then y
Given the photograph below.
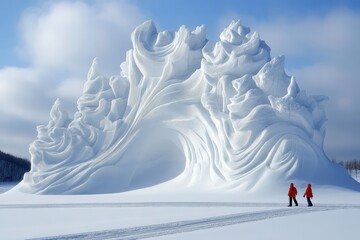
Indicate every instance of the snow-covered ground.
{"type": "Point", "coordinates": [5, 186]}
{"type": "Point", "coordinates": [356, 176]}
{"type": "Point", "coordinates": [140, 214]}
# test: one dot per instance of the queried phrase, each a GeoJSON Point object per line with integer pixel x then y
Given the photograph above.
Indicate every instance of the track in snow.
{"type": "Point", "coordinates": [188, 225]}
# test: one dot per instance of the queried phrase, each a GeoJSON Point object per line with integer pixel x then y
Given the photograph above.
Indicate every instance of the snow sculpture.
{"type": "Point", "coordinates": [209, 114]}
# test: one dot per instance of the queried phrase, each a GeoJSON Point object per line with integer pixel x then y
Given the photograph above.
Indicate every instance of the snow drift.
{"type": "Point", "coordinates": [199, 113]}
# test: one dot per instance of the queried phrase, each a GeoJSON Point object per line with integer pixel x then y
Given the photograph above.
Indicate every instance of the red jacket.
{"type": "Point", "coordinates": [308, 192]}
{"type": "Point", "coordinates": [292, 190]}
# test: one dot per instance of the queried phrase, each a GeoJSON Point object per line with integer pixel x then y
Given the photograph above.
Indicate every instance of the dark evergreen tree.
{"type": "Point", "coordinates": [12, 168]}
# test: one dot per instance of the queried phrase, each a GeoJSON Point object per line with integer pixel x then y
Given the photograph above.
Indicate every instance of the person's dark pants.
{"type": "Point", "coordinates": [309, 202]}
{"type": "Point", "coordinates": [290, 201]}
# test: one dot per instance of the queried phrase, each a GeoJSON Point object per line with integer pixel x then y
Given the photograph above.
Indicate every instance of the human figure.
{"type": "Point", "coordinates": [292, 195]}
{"type": "Point", "coordinates": [308, 194]}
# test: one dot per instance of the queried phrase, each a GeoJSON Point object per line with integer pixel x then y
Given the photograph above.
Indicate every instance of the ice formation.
{"type": "Point", "coordinates": [210, 114]}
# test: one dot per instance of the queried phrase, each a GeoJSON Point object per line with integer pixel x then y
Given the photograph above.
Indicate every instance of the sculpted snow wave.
{"type": "Point", "coordinates": [186, 110]}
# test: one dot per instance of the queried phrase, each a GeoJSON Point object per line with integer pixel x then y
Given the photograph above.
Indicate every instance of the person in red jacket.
{"type": "Point", "coordinates": [308, 194]}
{"type": "Point", "coordinates": [292, 194]}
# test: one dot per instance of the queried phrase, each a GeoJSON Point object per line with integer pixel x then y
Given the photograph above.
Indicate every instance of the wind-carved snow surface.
{"type": "Point", "coordinates": [199, 113]}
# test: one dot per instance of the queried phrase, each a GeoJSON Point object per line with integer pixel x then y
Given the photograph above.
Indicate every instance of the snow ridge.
{"type": "Point", "coordinates": [185, 111]}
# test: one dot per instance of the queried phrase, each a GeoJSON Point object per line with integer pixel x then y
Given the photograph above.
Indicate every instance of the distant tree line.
{"type": "Point", "coordinates": [12, 168]}
{"type": "Point", "coordinates": [353, 167]}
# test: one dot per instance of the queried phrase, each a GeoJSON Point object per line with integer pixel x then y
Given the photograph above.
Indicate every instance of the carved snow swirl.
{"type": "Point", "coordinates": [264, 122]}
{"type": "Point", "coordinates": [184, 111]}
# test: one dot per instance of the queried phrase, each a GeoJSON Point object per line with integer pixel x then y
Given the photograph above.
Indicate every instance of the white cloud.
{"type": "Point", "coordinates": [21, 94]}
{"type": "Point", "coordinates": [335, 35]}
{"type": "Point", "coordinates": [66, 36]}
{"type": "Point", "coordinates": [70, 88]}
{"type": "Point", "coordinates": [59, 40]}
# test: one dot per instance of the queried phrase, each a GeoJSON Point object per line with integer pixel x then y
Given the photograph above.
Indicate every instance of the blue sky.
{"type": "Point", "coordinates": [46, 48]}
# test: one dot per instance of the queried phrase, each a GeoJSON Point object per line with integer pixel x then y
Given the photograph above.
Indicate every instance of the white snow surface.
{"type": "Point", "coordinates": [142, 214]}
{"type": "Point", "coordinates": [186, 114]}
